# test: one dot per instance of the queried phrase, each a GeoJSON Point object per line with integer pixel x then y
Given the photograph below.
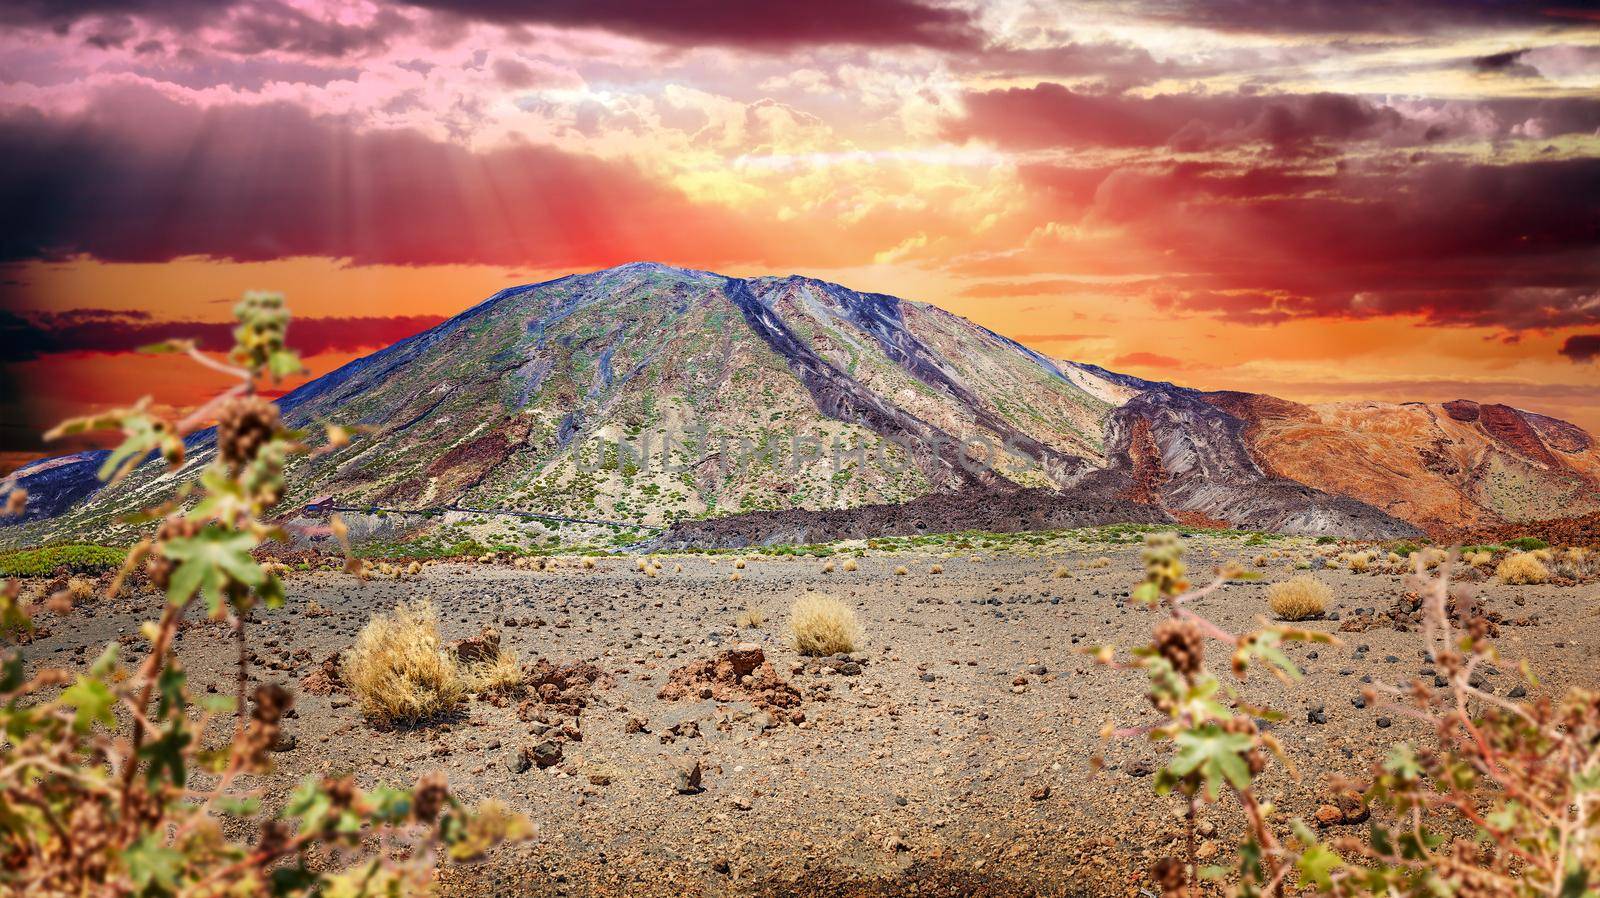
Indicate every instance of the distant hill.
{"type": "Point", "coordinates": [779, 393]}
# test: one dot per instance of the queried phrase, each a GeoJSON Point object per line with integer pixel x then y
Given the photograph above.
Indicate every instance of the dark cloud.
{"type": "Point", "coordinates": [1052, 115]}
{"type": "Point", "coordinates": [1581, 347]}
{"type": "Point", "coordinates": [1365, 16]}
{"type": "Point", "coordinates": [62, 14]}
{"type": "Point", "coordinates": [770, 25]}
{"type": "Point", "coordinates": [270, 25]}
{"type": "Point", "coordinates": [1507, 63]}
{"type": "Point", "coordinates": [139, 177]}
{"type": "Point", "coordinates": [1514, 246]}
{"type": "Point", "coordinates": [28, 336]}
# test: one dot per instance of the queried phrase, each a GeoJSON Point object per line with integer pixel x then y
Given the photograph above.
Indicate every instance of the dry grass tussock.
{"type": "Point", "coordinates": [1522, 567]}
{"type": "Point", "coordinates": [827, 567]}
{"type": "Point", "coordinates": [1100, 562]}
{"type": "Point", "coordinates": [900, 570]}
{"type": "Point", "coordinates": [936, 569]}
{"type": "Point", "coordinates": [850, 564]}
{"type": "Point", "coordinates": [823, 625]}
{"type": "Point", "coordinates": [1300, 598]}
{"type": "Point", "coordinates": [503, 674]}
{"type": "Point", "coordinates": [397, 670]}
{"type": "Point", "coordinates": [750, 619]}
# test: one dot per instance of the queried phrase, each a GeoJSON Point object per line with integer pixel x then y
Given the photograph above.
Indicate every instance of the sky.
{"type": "Point", "coordinates": [1322, 199]}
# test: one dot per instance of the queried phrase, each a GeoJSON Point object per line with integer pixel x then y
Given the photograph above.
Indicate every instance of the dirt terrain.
{"type": "Point", "coordinates": [950, 755]}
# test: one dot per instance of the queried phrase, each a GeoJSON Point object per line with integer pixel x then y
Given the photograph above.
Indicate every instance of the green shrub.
{"type": "Point", "coordinates": [77, 558]}
{"type": "Point", "coordinates": [1528, 543]}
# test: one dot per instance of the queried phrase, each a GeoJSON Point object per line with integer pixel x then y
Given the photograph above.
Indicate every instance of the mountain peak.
{"type": "Point", "coordinates": [703, 390]}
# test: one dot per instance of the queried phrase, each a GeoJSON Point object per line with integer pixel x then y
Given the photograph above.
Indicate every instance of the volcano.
{"type": "Point", "coordinates": [659, 395]}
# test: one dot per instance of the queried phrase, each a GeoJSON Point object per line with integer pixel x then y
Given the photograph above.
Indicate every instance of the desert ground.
{"type": "Point", "coordinates": [952, 753]}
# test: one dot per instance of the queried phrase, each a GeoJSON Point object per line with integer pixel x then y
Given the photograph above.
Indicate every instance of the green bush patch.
{"type": "Point", "coordinates": [77, 558]}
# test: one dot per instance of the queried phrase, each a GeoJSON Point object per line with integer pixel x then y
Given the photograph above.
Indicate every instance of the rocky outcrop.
{"type": "Point", "coordinates": [1205, 467]}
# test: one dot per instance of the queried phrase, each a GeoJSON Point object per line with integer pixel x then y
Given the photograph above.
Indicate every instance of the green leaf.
{"type": "Point", "coordinates": [152, 866]}
{"type": "Point", "coordinates": [309, 803]}
{"type": "Point", "coordinates": [1216, 754]}
{"type": "Point", "coordinates": [1402, 761]}
{"type": "Point", "coordinates": [166, 754]}
{"type": "Point", "coordinates": [207, 561]}
{"type": "Point", "coordinates": [170, 685]}
{"type": "Point", "coordinates": [1316, 866]}
{"type": "Point", "coordinates": [107, 662]}
{"type": "Point", "coordinates": [239, 807]}
{"type": "Point", "coordinates": [284, 363]}
{"type": "Point", "coordinates": [93, 700]}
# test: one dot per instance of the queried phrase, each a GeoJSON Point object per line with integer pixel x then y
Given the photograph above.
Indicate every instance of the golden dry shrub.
{"type": "Point", "coordinates": [1061, 573]}
{"type": "Point", "coordinates": [638, 564]}
{"type": "Point", "coordinates": [739, 563]}
{"type": "Point", "coordinates": [823, 625]}
{"type": "Point", "coordinates": [1432, 557]}
{"type": "Point", "coordinates": [501, 674]}
{"type": "Point", "coordinates": [750, 619]}
{"type": "Point", "coordinates": [1522, 567]}
{"type": "Point", "coordinates": [736, 576]}
{"type": "Point", "coordinates": [936, 569]}
{"type": "Point", "coordinates": [1300, 598]}
{"type": "Point", "coordinates": [849, 564]}
{"type": "Point", "coordinates": [397, 670]}
{"type": "Point", "coordinates": [900, 570]}
{"type": "Point", "coordinates": [588, 564]}
{"type": "Point", "coordinates": [1360, 562]}
{"type": "Point", "coordinates": [827, 567]}
{"type": "Point", "coordinates": [1100, 562]}
{"type": "Point", "coordinates": [80, 589]}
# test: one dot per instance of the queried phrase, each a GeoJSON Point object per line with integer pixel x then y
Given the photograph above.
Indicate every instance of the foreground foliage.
{"type": "Point", "coordinates": [1506, 803]}
{"type": "Point", "coordinates": [117, 780]}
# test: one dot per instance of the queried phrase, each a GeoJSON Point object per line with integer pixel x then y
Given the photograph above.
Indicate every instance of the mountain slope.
{"type": "Point", "coordinates": [657, 394]}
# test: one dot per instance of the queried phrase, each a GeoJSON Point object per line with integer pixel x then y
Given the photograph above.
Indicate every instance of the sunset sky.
{"type": "Point", "coordinates": [1321, 199]}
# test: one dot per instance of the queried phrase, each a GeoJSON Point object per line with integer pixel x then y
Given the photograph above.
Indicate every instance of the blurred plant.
{"type": "Point", "coordinates": [110, 788]}
{"type": "Point", "coordinates": [1506, 804]}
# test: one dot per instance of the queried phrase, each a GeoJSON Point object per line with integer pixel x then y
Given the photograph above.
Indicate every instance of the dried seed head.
{"type": "Point", "coordinates": [1181, 643]}
{"type": "Point", "coordinates": [244, 425]}
{"type": "Point", "coordinates": [157, 565]}
{"type": "Point", "coordinates": [272, 701]}
{"type": "Point", "coordinates": [1172, 876]}
{"type": "Point", "coordinates": [428, 799]}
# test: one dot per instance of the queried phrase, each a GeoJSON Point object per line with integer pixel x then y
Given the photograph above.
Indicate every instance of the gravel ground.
{"type": "Point", "coordinates": [956, 761]}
